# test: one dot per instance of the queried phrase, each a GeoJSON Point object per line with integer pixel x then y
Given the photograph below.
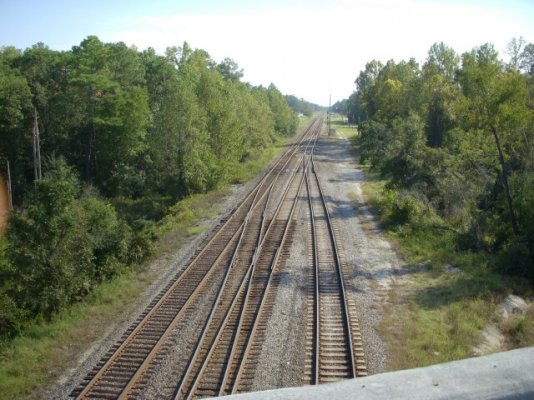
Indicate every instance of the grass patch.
{"type": "Point", "coordinates": [519, 329]}
{"type": "Point", "coordinates": [243, 172]}
{"type": "Point", "coordinates": [342, 128]}
{"type": "Point", "coordinates": [420, 335]}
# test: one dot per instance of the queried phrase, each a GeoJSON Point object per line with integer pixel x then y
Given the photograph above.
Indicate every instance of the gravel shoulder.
{"type": "Point", "coordinates": [370, 259]}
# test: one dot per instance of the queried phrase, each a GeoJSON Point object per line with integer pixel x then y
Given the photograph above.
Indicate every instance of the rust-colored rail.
{"type": "Point", "coordinates": [216, 364]}
{"type": "Point", "coordinates": [128, 361]}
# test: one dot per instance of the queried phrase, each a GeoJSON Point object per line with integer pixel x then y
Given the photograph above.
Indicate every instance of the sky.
{"type": "Point", "coordinates": [312, 49]}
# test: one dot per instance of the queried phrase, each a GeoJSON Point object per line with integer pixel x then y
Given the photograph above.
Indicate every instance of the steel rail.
{"type": "Point", "coordinates": [178, 317]}
{"type": "Point", "coordinates": [249, 341]}
{"type": "Point", "coordinates": [248, 277]}
{"type": "Point", "coordinates": [339, 271]}
{"type": "Point", "coordinates": [241, 362]}
{"type": "Point", "coordinates": [315, 246]}
{"type": "Point", "coordinates": [247, 296]}
{"type": "Point", "coordinates": [89, 386]}
{"type": "Point", "coordinates": [139, 373]}
{"type": "Point", "coordinates": [213, 311]}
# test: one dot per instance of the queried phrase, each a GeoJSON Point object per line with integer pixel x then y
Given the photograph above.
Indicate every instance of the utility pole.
{"type": "Point", "coordinates": [36, 147]}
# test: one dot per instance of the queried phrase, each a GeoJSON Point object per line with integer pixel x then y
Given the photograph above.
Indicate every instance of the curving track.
{"type": "Point", "coordinates": [233, 275]}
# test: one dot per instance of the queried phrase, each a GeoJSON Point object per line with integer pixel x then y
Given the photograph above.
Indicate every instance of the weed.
{"type": "Point", "coordinates": [519, 329]}
{"type": "Point", "coordinates": [44, 349]}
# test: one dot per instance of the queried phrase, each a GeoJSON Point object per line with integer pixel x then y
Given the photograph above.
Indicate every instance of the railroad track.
{"type": "Point", "coordinates": [228, 352]}
{"type": "Point", "coordinates": [233, 258]}
{"type": "Point", "coordinates": [217, 368]}
{"type": "Point", "coordinates": [334, 346]}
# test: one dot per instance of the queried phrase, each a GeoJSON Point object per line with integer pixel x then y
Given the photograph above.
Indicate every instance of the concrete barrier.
{"type": "Point", "coordinates": [508, 375]}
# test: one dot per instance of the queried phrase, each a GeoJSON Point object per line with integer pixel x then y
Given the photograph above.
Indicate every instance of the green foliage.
{"type": "Point", "coordinates": [14, 98]}
{"type": "Point", "coordinates": [63, 242]}
{"type": "Point", "coordinates": [352, 108]}
{"type": "Point", "coordinates": [285, 121]}
{"type": "Point", "coordinates": [132, 123]}
{"type": "Point", "coordinates": [15, 117]}
{"type": "Point", "coordinates": [32, 359]}
{"type": "Point", "coordinates": [141, 129]}
{"type": "Point", "coordinates": [302, 106]}
{"type": "Point", "coordinates": [11, 316]}
{"type": "Point", "coordinates": [457, 139]}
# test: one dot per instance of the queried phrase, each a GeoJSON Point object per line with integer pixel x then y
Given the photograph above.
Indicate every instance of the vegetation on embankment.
{"type": "Point", "coordinates": [449, 151]}
{"type": "Point", "coordinates": [124, 134]}
{"type": "Point", "coordinates": [445, 296]}
{"type": "Point", "coordinates": [454, 140]}
{"type": "Point", "coordinates": [46, 348]}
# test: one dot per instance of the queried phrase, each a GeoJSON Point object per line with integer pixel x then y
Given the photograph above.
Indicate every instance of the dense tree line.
{"type": "Point", "coordinates": [351, 108]}
{"type": "Point", "coordinates": [455, 140]}
{"type": "Point", "coordinates": [123, 134]}
{"type": "Point", "coordinates": [302, 106]}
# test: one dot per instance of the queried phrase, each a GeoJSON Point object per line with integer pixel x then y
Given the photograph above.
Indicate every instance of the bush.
{"type": "Point", "coordinates": [399, 207]}
{"type": "Point", "coordinates": [64, 242]}
{"type": "Point", "coordinates": [11, 316]}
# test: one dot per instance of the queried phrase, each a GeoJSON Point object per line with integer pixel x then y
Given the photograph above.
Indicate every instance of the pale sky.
{"type": "Point", "coordinates": [307, 48]}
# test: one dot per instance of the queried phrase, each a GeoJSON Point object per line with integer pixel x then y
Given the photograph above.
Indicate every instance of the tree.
{"type": "Point", "coordinates": [526, 63]}
{"type": "Point", "coordinates": [62, 243]}
{"type": "Point", "coordinates": [497, 105]}
{"type": "Point", "coordinates": [230, 70]}
{"type": "Point", "coordinates": [180, 141]}
{"type": "Point", "coordinates": [15, 123]}
{"type": "Point", "coordinates": [285, 120]}
{"type": "Point", "coordinates": [112, 107]}
{"type": "Point", "coordinates": [365, 84]}
{"type": "Point", "coordinates": [440, 91]}
{"type": "Point", "coordinates": [514, 50]}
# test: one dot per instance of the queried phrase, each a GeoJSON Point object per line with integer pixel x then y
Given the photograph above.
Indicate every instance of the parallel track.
{"type": "Point", "coordinates": [231, 248]}
{"type": "Point", "coordinates": [226, 345]}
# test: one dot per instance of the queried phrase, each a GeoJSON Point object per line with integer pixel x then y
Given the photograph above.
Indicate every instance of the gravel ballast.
{"type": "Point", "coordinates": [370, 260]}
{"type": "Point", "coordinates": [165, 268]}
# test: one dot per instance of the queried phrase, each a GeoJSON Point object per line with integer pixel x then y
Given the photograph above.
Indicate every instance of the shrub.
{"type": "Point", "coordinates": [63, 243]}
